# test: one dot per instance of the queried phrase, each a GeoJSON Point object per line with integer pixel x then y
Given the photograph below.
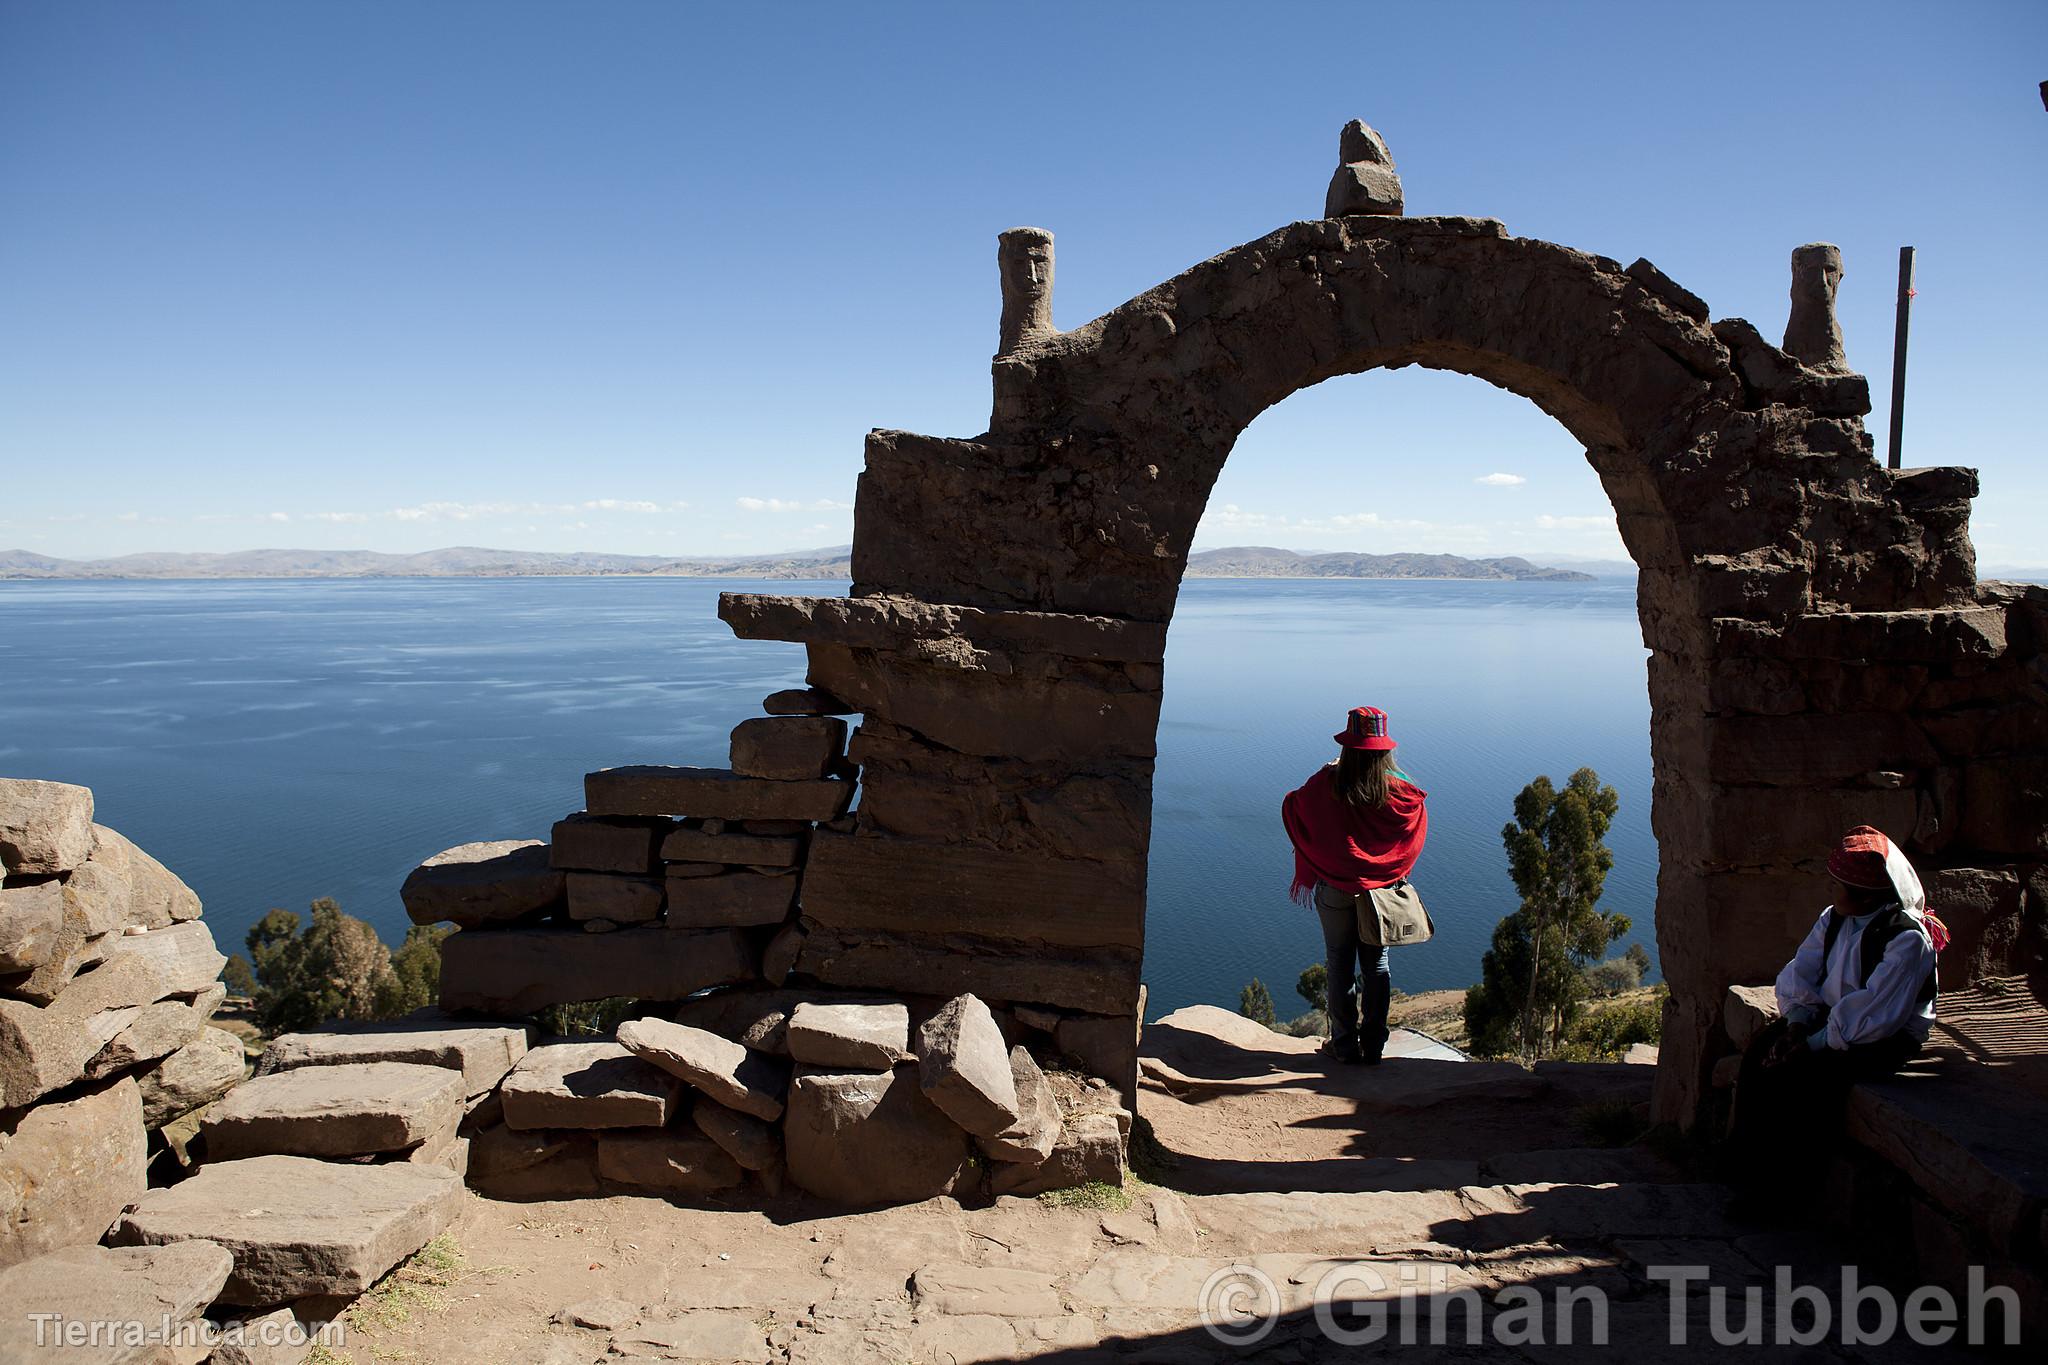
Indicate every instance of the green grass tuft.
{"type": "Point", "coordinates": [1093, 1195]}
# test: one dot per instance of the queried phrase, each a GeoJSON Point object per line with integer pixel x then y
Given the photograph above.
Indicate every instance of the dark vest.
{"type": "Point", "coordinates": [1885, 926]}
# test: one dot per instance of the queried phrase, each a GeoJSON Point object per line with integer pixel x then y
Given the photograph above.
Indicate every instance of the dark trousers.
{"type": "Point", "coordinates": [1344, 955]}
{"type": "Point", "coordinates": [1788, 1117]}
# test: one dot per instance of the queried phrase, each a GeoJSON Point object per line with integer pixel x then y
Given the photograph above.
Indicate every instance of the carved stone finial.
{"type": "Point", "coordinates": [1024, 255]}
{"type": "Point", "coordinates": [1365, 182]}
{"type": "Point", "coordinates": [1812, 336]}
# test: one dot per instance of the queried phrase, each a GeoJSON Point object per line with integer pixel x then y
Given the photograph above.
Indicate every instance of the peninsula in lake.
{"type": "Point", "coordinates": [1243, 561]}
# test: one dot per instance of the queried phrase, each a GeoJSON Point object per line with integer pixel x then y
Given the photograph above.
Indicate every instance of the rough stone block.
{"type": "Point", "coordinates": [483, 1053]}
{"type": "Point", "coordinates": [716, 792]}
{"type": "Point", "coordinates": [726, 1071]}
{"type": "Point", "coordinates": [350, 1109]}
{"type": "Point", "coordinates": [198, 1073]}
{"type": "Point", "coordinates": [156, 1032]}
{"type": "Point", "coordinates": [45, 1047]}
{"type": "Point", "coordinates": [151, 894]}
{"type": "Point", "coordinates": [31, 924]}
{"type": "Point", "coordinates": [1037, 1129]}
{"type": "Point", "coordinates": [588, 1085]}
{"type": "Point", "coordinates": [1106, 1044]}
{"type": "Point", "coordinates": [1363, 189]}
{"type": "Point", "coordinates": [44, 826]}
{"type": "Point", "coordinates": [152, 1286]}
{"type": "Point", "coordinates": [755, 850]}
{"type": "Point", "coordinates": [665, 1162]}
{"type": "Point", "coordinates": [758, 1017]}
{"type": "Point", "coordinates": [622, 900]}
{"type": "Point", "coordinates": [850, 1037]}
{"type": "Point", "coordinates": [864, 1138]}
{"type": "Point", "coordinates": [788, 748]}
{"type": "Point", "coordinates": [595, 843]}
{"type": "Point", "coordinates": [862, 882]}
{"type": "Point", "coordinates": [1098, 980]}
{"type": "Point", "coordinates": [527, 1166]}
{"type": "Point", "coordinates": [964, 1067]}
{"type": "Point", "coordinates": [517, 971]}
{"type": "Point", "coordinates": [1809, 751]}
{"type": "Point", "coordinates": [731, 900]}
{"type": "Point", "coordinates": [754, 1143]}
{"type": "Point", "coordinates": [498, 882]}
{"type": "Point", "coordinates": [184, 955]}
{"type": "Point", "coordinates": [297, 1227]}
{"type": "Point", "coordinates": [804, 701]}
{"type": "Point", "coordinates": [68, 1168]}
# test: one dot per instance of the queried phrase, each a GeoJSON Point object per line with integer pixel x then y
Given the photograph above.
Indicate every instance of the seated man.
{"type": "Point", "coordinates": [1856, 1001]}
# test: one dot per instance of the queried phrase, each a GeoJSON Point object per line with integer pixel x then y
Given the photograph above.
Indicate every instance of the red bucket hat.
{"type": "Point", "coordinates": [1365, 729]}
{"type": "Point", "coordinates": [1859, 859]}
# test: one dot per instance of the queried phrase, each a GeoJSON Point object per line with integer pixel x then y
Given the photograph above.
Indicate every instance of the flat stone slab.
{"type": "Point", "coordinates": [483, 1053]}
{"type": "Point", "coordinates": [614, 897]}
{"type": "Point", "coordinates": [518, 971]}
{"type": "Point", "coordinates": [588, 1085]}
{"type": "Point", "coordinates": [495, 882]}
{"type": "Point", "coordinates": [964, 1066]}
{"type": "Point", "coordinates": [850, 1037]}
{"type": "Point", "coordinates": [183, 955]}
{"type": "Point", "coordinates": [728, 846]}
{"type": "Point", "coordinates": [754, 1143]}
{"type": "Point", "coordinates": [732, 899]}
{"type": "Point", "coordinates": [788, 748]}
{"type": "Point", "coordinates": [348, 1109]}
{"type": "Point", "coordinates": [596, 843]}
{"type": "Point", "coordinates": [665, 1161]}
{"type": "Point", "coordinates": [726, 1071]}
{"type": "Point", "coordinates": [298, 1227]}
{"type": "Point", "coordinates": [152, 1286]}
{"type": "Point", "coordinates": [717, 793]}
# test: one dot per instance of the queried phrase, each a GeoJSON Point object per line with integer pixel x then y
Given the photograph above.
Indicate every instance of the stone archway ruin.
{"type": "Point", "coordinates": [1822, 653]}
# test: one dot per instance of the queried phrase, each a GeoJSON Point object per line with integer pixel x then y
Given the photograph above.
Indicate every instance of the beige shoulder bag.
{"type": "Point", "coordinates": [1393, 917]}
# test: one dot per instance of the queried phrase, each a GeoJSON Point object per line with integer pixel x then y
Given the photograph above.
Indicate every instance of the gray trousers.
{"type": "Point", "coordinates": [1351, 963]}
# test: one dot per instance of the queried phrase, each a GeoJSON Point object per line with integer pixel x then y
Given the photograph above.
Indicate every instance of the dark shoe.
{"type": "Point", "coordinates": [1366, 1058]}
{"type": "Point", "coordinates": [1340, 1049]}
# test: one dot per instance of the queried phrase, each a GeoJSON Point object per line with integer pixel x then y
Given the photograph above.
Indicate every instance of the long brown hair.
{"type": "Point", "coordinates": [1364, 776]}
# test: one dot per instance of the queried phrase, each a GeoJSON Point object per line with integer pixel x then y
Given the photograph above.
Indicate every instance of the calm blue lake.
{"type": "Point", "coordinates": [277, 741]}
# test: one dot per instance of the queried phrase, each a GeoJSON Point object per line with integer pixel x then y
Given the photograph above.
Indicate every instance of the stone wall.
{"type": "Point", "coordinates": [1821, 651]}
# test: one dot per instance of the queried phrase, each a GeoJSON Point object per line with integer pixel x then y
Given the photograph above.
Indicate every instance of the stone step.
{"type": "Point", "coordinates": [349, 1109]}
{"type": "Point", "coordinates": [155, 1287]}
{"type": "Point", "coordinates": [483, 1053]}
{"type": "Point", "coordinates": [298, 1227]}
{"type": "Point", "coordinates": [588, 1085]}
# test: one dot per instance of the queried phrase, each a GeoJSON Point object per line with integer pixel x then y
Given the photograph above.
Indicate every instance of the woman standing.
{"type": "Point", "coordinates": [1356, 824]}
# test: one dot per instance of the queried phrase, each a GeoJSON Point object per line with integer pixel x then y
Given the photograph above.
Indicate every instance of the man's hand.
{"type": "Point", "coordinates": [1789, 1043]}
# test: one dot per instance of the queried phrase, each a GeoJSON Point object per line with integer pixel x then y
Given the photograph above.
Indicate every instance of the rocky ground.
{"type": "Point", "coordinates": [1430, 1184]}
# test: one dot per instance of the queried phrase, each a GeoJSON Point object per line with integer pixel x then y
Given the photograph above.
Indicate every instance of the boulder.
{"type": "Point", "coordinates": [352, 1109]}
{"type": "Point", "coordinates": [804, 701]}
{"type": "Point", "coordinates": [665, 1162]}
{"type": "Point", "coordinates": [156, 1032]}
{"type": "Point", "coordinates": [45, 1047]}
{"type": "Point", "coordinates": [1745, 1010]}
{"type": "Point", "coordinates": [31, 924]}
{"type": "Point", "coordinates": [619, 899]}
{"type": "Point", "coordinates": [44, 826]}
{"type": "Point", "coordinates": [183, 954]}
{"type": "Point", "coordinates": [498, 882]}
{"type": "Point", "coordinates": [156, 1287]}
{"type": "Point", "coordinates": [734, 899]}
{"type": "Point", "coordinates": [715, 792]}
{"type": "Point", "coordinates": [596, 843]}
{"type": "Point", "coordinates": [68, 1168]}
{"type": "Point", "coordinates": [198, 1073]}
{"type": "Point", "coordinates": [753, 1143]}
{"type": "Point", "coordinates": [688, 845]}
{"type": "Point", "coordinates": [588, 1085]}
{"type": "Point", "coordinates": [1090, 1150]}
{"type": "Point", "coordinates": [274, 1338]}
{"type": "Point", "coordinates": [483, 1053]}
{"type": "Point", "coordinates": [147, 892]}
{"type": "Point", "coordinates": [850, 1037]}
{"type": "Point", "coordinates": [755, 1017]}
{"type": "Point", "coordinates": [964, 1067]}
{"type": "Point", "coordinates": [865, 1138]}
{"type": "Point", "coordinates": [1037, 1130]}
{"type": "Point", "coordinates": [722, 1069]}
{"type": "Point", "coordinates": [298, 1227]}
{"type": "Point", "coordinates": [517, 971]}
{"type": "Point", "coordinates": [788, 748]}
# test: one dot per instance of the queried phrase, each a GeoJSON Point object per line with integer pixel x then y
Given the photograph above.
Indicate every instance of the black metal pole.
{"type": "Point", "coordinates": [1899, 353]}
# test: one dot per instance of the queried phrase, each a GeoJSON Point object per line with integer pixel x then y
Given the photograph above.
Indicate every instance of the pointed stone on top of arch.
{"type": "Point", "coordinates": [1365, 182]}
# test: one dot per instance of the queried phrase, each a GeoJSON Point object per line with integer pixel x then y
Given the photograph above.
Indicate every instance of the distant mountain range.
{"type": "Point", "coordinates": [1263, 561]}
{"type": "Point", "coordinates": [1244, 561]}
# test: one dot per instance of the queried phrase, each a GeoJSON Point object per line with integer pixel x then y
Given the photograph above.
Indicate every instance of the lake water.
{"type": "Point", "coordinates": [273, 742]}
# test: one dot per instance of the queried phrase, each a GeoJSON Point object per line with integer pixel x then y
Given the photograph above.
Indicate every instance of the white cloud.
{"type": "Point", "coordinates": [336, 517]}
{"type": "Point", "coordinates": [1500, 480]}
{"type": "Point", "coordinates": [1596, 523]}
{"type": "Point", "coordinates": [789, 505]}
{"type": "Point", "coordinates": [129, 516]}
{"type": "Point", "coordinates": [620, 505]}
{"type": "Point", "coordinates": [278, 516]}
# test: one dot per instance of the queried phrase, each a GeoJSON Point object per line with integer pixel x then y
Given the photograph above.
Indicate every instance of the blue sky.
{"type": "Point", "coordinates": [637, 276]}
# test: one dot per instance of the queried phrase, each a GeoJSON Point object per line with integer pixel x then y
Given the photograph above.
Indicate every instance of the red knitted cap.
{"type": "Point", "coordinates": [1859, 859]}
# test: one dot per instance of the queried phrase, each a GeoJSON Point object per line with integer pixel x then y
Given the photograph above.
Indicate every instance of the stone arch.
{"type": "Point", "coordinates": [1814, 620]}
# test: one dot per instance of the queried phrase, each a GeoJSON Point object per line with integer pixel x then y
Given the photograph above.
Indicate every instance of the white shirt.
{"type": "Point", "coordinates": [1888, 1003]}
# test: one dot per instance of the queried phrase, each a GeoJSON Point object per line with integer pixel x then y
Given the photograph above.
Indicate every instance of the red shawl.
{"type": "Point", "coordinates": [1353, 848]}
